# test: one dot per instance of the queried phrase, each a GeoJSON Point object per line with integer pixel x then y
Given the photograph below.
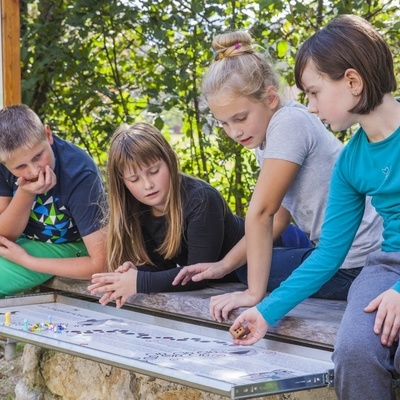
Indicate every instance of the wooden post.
{"type": "Point", "coordinates": [11, 52]}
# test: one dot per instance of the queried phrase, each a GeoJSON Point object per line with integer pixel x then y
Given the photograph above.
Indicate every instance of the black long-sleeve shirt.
{"type": "Point", "coordinates": [210, 230]}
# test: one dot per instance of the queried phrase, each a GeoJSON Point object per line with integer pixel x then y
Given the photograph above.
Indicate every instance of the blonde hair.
{"type": "Point", "coordinates": [237, 68]}
{"type": "Point", "coordinates": [134, 146]}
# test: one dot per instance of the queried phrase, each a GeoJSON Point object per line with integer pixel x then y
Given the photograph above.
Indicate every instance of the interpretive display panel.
{"type": "Point", "coordinates": [193, 355]}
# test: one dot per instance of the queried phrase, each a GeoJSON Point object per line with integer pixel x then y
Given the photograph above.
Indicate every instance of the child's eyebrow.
{"type": "Point", "coordinates": [239, 114]}
{"type": "Point", "coordinates": [233, 116]}
{"type": "Point", "coordinates": [16, 166]}
{"type": "Point", "coordinates": [144, 167]}
{"type": "Point", "coordinates": [308, 88]}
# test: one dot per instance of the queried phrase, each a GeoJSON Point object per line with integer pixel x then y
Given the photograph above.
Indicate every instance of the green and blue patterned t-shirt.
{"type": "Point", "coordinates": [72, 208]}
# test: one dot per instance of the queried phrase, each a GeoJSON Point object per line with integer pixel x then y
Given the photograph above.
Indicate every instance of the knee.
{"type": "Point", "coordinates": [295, 237]}
{"type": "Point", "coordinates": [354, 352]}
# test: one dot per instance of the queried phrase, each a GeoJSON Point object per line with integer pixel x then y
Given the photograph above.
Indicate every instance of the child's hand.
{"type": "Point", "coordinates": [199, 272]}
{"type": "Point", "coordinates": [45, 181]}
{"type": "Point", "coordinates": [222, 305]}
{"type": "Point", "coordinates": [125, 267]}
{"type": "Point", "coordinates": [254, 322]}
{"type": "Point", "coordinates": [387, 320]}
{"type": "Point", "coordinates": [13, 252]}
{"type": "Point", "coordinates": [115, 286]}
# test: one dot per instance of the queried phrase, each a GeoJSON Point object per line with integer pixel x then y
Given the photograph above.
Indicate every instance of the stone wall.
{"type": "Point", "coordinates": [51, 375]}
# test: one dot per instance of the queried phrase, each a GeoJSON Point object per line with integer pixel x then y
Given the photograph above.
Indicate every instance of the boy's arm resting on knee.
{"type": "Point", "coordinates": [14, 214]}
{"type": "Point", "coordinates": [16, 201]}
{"type": "Point", "coordinates": [75, 267]}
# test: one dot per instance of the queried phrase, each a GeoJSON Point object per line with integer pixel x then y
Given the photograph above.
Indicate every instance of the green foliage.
{"type": "Point", "coordinates": [89, 66]}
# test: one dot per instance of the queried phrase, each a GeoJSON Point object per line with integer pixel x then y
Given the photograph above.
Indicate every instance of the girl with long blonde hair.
{"type": "Point", "coordinates": [159, 218]}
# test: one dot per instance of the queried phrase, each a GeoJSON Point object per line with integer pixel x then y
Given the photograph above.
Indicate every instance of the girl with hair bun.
{"type": "Point", "coordinates": [296, 154]}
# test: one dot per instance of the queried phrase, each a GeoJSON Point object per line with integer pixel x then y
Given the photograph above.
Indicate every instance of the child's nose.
{"type": "Point", "coordinates": [148, 184]}
{"type": "Point", "coordinates": [312, 109]}
{"type": "Point", "coordinates": [34, 170]}
{"type": "Point", "coordinates": [238, 134]}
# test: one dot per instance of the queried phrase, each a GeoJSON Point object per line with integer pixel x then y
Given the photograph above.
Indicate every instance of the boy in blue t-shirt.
{"type": "Point", "coordinates": [51, 193]}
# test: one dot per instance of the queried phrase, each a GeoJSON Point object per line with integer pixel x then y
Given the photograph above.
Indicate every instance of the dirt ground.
{"type": "Point", "coordinates": [10, 373]}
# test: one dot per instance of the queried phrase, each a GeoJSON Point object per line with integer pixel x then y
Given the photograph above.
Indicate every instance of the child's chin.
{"type": "Point", "coordinates": [34, 179]}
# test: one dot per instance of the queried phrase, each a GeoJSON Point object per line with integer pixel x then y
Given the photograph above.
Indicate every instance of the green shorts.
{"type": "Point", "coordinates": [14, 278]}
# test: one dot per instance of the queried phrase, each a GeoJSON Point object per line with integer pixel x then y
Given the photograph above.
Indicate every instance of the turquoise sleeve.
{"type": "Point", "coordinates": [343, 216]}
{"type": "Point", "coordinates": [396, 286]}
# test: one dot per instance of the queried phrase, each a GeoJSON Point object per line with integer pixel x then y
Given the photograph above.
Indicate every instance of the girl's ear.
{"type": "Point", "coordinates": [354, 81]}
{"type": "Point", "coordinates": [272, 97]}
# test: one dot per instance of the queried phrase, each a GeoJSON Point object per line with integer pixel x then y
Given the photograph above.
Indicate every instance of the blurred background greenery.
{"type": "Point", "coordinates": [88, 66]}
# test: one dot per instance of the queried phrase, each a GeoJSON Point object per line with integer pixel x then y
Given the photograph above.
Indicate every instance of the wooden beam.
{"type": "Point", "coordinates": [11, 57]}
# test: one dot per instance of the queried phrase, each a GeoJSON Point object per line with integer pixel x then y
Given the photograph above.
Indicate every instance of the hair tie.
{"type": "Point", "coordinates": [237, 46]}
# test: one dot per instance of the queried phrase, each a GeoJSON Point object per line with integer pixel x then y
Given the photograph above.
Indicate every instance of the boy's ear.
{"type": "Point", "coordinates": [354, 81]}
{"type": "Point", "coordinates": [48, 134]}
{"type": "Point", "coordinates": [272, 97]}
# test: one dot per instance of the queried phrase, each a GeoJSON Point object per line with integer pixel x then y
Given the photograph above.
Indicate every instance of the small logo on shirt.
{"type": "Point", "coordinates": [386, 171]}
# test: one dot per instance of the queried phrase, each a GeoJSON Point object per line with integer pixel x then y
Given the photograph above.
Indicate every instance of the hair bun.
{"type": "Point", "coordinates": [232, 44]}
